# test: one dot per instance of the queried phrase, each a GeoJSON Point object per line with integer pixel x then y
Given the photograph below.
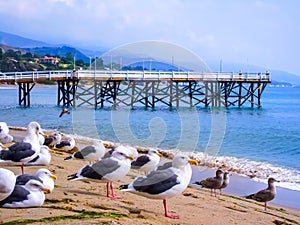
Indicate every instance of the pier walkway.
{"type": "Point", "coordinates": [100, 88]}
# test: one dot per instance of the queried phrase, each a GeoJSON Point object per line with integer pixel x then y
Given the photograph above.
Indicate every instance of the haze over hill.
{"type": "Point", "coordinates": [40, 47]}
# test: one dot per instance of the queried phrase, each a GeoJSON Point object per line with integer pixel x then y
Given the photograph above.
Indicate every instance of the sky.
{"type": "Point", "coordinates": [257, 32]}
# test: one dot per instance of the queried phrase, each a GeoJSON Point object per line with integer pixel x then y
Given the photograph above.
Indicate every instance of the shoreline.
{"type": "Point", "coordinates": [79, 202]}
{"type": "Point", "coordinates": [285, 197]}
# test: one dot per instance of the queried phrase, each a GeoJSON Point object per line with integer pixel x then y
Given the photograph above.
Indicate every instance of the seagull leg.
{"type": "Point", "coordinates": [169, 215]}
{"type": "Point", "coordinates": [265, 206]}
{"type": "Point", "coordinates": [22, 168]}
{"type": "Point", "coordinates": [113, 196]}
{"type": "Point", "coordinates": [107, 189]}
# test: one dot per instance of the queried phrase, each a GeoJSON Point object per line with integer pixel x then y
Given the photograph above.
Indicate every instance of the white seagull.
{"type": "Point", "coordinates": [32, 194]}
{"type": "Point", "coordinates": [7, 183]}
{"type": "Point", "coordinates": [147, 162]}
{"type": "Point", "coordinates": [42, 175]}
{"type": "Point", "coordinates": [23, 151]}
{"type": "Point", "coordinates": [90, 153]}
{"type": "Point", "coordinates": [66, 145]}
{"type": "Point", "coordinates": [52, 139]}
{"type": "Point", "coordinates": [164, 184]}
{"type": "Point", "coordinates": [106, 170]}
{"type": "Point", "coordinates": [42, 159]}
{"type": "Point", "coordinates": [5, 137]}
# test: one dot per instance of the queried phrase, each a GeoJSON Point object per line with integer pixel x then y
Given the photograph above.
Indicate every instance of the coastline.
{"type": "Point", "coordinates": [194, 206]}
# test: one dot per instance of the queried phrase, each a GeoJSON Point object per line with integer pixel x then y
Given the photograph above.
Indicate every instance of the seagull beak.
{"type": "Point", "coordinates": [53, 177]}
{"type": "Point", "coordinates": [130, 157]}
{"type": "Point", "coordinates": [160, 155]}
{"type": "Point", "coordinates": [106, 145]}
{"type": "Point", "coordinates": [45, 135]}
{"type": "Point", "coordinates": [46, 190]}
{"type": "Point", "coordinates": [51, 150]}
{"type": "Point", "coordinates": [193, 162]}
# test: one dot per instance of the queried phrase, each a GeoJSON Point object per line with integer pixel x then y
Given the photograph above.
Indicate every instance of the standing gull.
{"type": "Point", "coordinates": [106, 170]}
{"type": "Point", "coordinates": [42, 175]}
{"type": "Point", "coordinates": [90, 153]}
{"type": "Point", "coordinates": [23, 151]}
{"type": "Point", "coordinates": [29, 195]}
{"type": "Point", "coordinates": [225, 181]}
{"type": "Point", "coordinates": [164, 184]}
{"type": "Point", "coordinates": [265, 195]}
{"type": "Point", "coordinates": [147, 162]}
{"type": "Point", "coordinates": [212, 183]}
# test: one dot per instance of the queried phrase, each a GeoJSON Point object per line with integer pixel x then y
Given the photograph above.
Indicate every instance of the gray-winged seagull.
{"type": "Point", "coordinates": [147, 162]}
{"type": "Point", "coordinates": [106, 170]}
{"type": "Point", "coordinates": [23, 151]}
{"type": "Point", "coordinates": [30, 195]}
{"type": "Point", "coordinates": [164, 184]}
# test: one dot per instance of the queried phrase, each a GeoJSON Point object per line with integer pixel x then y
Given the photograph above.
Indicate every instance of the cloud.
{"type": "Point", "coordinates": [262, 31]}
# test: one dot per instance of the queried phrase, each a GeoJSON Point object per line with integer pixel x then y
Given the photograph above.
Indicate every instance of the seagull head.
{"type": "Point", "coordinates": [45, 173]}
{"type": "Point", "coordinates": [35, 185]}
{"type": "Point", "coordinates": [181, 160]}
{"type": "Point", "coordinates": [154, 152]}
{"type": "Point", "coordinates": [121, 153]}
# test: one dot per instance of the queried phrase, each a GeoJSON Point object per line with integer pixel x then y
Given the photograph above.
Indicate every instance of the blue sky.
{"type": "Point", "coordinates": [262, 32]}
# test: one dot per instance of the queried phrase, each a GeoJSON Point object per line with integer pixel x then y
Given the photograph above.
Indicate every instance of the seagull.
{"type": "Point", "coordinates": [164, 184]}
{"type": "Point", "coordinates": [42, 175]}
{"type": "Point", "coordinates": [42, 159]}
{"type": "Point", "coordinates": [64, 111]}
{"type": "Point", "coordinates": [4, 130]}
{"type": "Point", "coordinates": [24, 151]}
{"type": "Point", "coordinates": [5, 137]}
{"type": "Point", "coordinates": [265, 195]}
{"type": "Point", "coordinates": [106, 170]}
{"type": "Point", "coordinates": [7, 183]}
{"type": "Point", "coordinates": [225, 181]}
{"type": "Point", "coordinates": [212, 182]}
{"type": "Point", "coordinates": [90, 153]}
{"type": "Point", "coordinates": [66, 145]}
{"type": "Point", "coordinates": [52, 139]}
{"type": "Point", "coordinates": [32, 194]}
{"type": "Point", "coordinates": [147, 162]}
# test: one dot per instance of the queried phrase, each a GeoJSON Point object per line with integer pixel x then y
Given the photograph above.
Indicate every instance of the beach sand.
{"type": "Point", "coordinates": [77, 202]}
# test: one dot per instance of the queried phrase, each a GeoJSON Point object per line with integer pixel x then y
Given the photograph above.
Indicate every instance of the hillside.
{"type": "Point", "coordinates": [58, 51]}
{"type": "Point", "coordinates": [20, 42]}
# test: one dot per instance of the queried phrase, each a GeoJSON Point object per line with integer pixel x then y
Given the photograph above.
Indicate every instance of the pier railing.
{"type": "Point", "coordinates": [132, 75]}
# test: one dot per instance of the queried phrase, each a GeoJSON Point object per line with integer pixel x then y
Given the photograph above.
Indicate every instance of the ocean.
{"type": "Point", "coordinates": [255, 142]}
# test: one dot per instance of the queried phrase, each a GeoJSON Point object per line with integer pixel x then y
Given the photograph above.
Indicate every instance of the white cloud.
{"type": "Point", "coordinates": [264, 31]}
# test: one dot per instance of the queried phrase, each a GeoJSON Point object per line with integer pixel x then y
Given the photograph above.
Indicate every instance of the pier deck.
{"type": "Point", "coordinates": [99, 88]}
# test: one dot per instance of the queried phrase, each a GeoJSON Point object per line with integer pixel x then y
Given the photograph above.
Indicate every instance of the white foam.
{"type": "Point", "coordinates": [259, 171]}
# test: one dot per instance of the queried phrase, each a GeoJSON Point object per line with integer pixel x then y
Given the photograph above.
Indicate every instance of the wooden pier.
{"type": "Point", "coordinates": [102, 88]}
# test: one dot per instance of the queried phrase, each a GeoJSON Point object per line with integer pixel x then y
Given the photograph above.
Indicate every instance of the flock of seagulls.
{"type": "Point", "coordinates": [159, 181]}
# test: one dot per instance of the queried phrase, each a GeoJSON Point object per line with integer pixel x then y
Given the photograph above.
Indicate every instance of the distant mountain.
{"type": "Point", "coordinates": [20, 42]}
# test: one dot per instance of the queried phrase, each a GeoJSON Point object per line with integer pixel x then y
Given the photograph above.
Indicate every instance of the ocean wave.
{"type": "Point", "coordinates": [258, 171]}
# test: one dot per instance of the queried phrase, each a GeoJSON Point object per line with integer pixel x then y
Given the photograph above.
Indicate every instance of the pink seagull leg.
{"type": "Point", "coordinates": [169, 215]}
{"type": "Point", "coordinates": [113, 196]}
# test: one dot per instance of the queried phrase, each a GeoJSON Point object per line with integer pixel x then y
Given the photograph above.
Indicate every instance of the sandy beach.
{"type": "Point", "coordinates": [80, 202]}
